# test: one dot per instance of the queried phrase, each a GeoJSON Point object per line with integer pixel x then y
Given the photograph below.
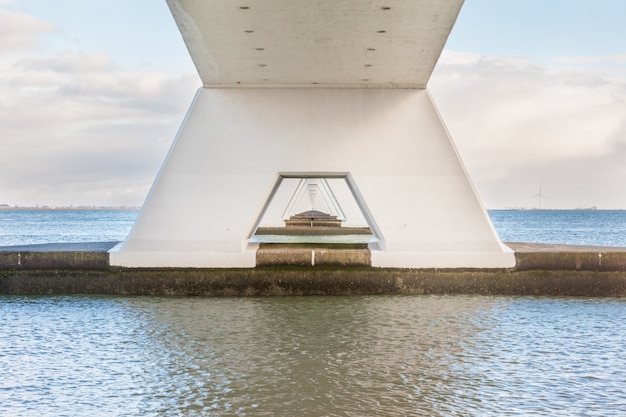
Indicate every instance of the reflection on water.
{"type": "Point", "coordinates": [311, 356]}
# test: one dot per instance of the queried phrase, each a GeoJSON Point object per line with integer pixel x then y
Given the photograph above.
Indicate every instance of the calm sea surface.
{"type": "Point", "coordinates": [26, 227]}
{"type": "Point", "coordinates": [575, 227]}
{"type": "Point", "coordinates": [312, 356]}
{"type": "Point", "coordinates": [578, 227]}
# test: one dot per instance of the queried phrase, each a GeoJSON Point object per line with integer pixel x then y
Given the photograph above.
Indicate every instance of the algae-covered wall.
{"type": "Point", "coordinates": [312, 281]}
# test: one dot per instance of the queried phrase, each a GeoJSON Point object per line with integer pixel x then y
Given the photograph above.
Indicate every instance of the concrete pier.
{"type": "Point", "coordinates": [551, 270]}
{"type": "Point", "coordinates": [296, 105]}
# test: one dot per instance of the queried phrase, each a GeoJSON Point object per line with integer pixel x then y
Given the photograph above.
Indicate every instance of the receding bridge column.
{"type": "Point", "coordinates": [235, 143]}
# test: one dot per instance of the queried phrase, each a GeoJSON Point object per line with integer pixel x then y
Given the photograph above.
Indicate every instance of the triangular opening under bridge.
{"type": "Point", "coordinates": [315, 208]}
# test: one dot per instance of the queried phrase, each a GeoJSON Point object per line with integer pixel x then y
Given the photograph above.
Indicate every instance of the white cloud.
{"type": "Point", "coordinates": [20, 31]}
{"type": "Point", "coordinates": [519, 125]}
{"type": "Point", "coordinates": [76, 129]}
{"type": "Point", "coordinates": [590, 59]}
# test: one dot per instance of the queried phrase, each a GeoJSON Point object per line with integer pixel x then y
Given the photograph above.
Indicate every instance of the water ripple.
{"type": "Point", "coordinates": [312, 356]}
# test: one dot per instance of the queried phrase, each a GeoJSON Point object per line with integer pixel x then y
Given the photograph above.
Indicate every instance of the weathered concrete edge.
{"type": "Point", "coordinates": [556, 270]}
{"type": "Point", "coordinates": [311, 281]}
{"type": "Point", "coordinates": [527, 257]}
{"type": "Point", "coordinates": [571, 261]}
{"type": "Point", "coordinates": [69, 260]}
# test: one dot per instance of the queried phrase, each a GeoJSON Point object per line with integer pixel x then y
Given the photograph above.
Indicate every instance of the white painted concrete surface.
{"type": "Point", "coordinates": [331, 43]}
{"type": "Point", "coordinates": [352, 103]}
{"type": "Point", "coordinates": [235, 143]}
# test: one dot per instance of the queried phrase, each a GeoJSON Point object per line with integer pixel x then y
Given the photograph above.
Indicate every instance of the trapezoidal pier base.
{"type": "Point", "coordinates": [405, 172]}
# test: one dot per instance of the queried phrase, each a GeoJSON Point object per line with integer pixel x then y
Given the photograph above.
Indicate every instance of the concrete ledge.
{"type": "Point", "coordinates": [313, 255]}
{"type": "Point", "coordinates": [77, 255]}
{"type": "Point", "coordinates": [313, 281]}
{"type": "Point", "coordinates": [54, 260]}
{"type": "Point", "coordinates": [556, 270]}
{"type": "Point", "coordinates": [530, 256]}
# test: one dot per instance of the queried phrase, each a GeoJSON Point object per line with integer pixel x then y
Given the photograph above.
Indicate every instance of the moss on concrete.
{"type": "Point", "coordinates": [312, 281]}
{"type": "Point", "coordinates": [540, 270]}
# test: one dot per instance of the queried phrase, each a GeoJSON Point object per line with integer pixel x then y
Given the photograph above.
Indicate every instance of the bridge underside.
{"type": "Point", "coordinates": [338, 43]}
{"type": "Point", "coordinates": [301, 91]}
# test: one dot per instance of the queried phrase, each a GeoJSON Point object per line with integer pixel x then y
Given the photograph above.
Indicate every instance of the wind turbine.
{"type": "Point", "coordinates": [540, 196]}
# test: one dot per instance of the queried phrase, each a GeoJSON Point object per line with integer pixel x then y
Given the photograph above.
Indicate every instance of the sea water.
{"type": "Point", "coordinates": [312, 356]}
{"type": "Point", "coordinates": [28, 227]}
{"type": "Point", "coordinates": [574, 227]}
{"type": "Point", "coordinates": [452, 355]}
{"type": "Point", "coordinates": [578, 227]}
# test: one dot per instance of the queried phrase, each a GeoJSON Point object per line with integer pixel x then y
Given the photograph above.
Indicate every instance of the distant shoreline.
{"type": "Point", "coordinates": [61, 208]}
{"type": "Point", "coordinates": [87, 208]}
{"type": "Point", "coordinates": [554, 209]}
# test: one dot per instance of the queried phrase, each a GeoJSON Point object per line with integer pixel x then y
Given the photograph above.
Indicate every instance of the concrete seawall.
{"type": "Point", "coordinates": [554, 270]}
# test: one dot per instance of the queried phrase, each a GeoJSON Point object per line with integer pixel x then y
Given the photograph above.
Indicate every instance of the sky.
{"type": "Point", "coordinates": [533, 93]}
